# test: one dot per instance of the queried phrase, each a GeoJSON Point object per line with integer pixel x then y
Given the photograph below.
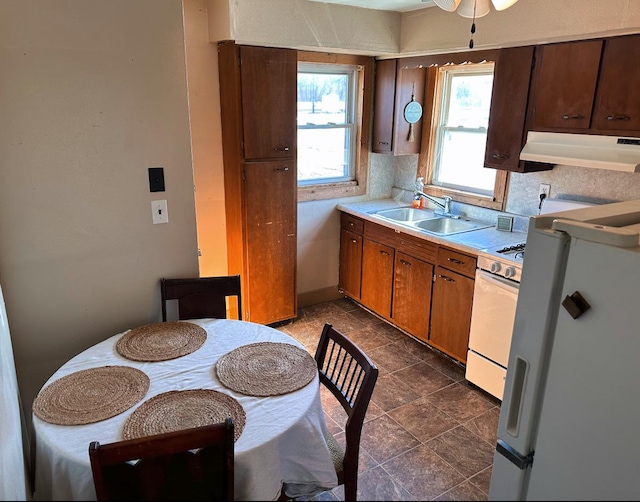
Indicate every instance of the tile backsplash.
{"type": "Point", "coordinates": [394, 176]}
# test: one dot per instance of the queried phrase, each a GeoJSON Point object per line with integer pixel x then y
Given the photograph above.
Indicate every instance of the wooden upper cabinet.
{"type": "Point", "coordinates": [410, 85]}
{"type": "Point", "coordinates": [269, 96]}
{"type": "Point", "coordinates": [565, 85]}
{"type": "Point", "coordinates": [618, 96]}
{"type": "Point", "coordinates": [509, 98]}
{"type": "Point", "coordinates": [395, 88]}
{"type": "Point", "coordinates": [383, 106]}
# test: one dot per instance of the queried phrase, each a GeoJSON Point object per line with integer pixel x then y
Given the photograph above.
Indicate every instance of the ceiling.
{"type": "Point", "coordinates": [393, 5]}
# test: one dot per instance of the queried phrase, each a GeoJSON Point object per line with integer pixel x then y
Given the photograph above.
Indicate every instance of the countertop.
{"type": "Point", "coordinates": [471, 241]}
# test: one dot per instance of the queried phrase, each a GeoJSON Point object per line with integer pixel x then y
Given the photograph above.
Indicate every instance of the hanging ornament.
{"type": "Point", "coordinates": [412, 113]}
{"type": "Point", "coordinates": [473, 25]}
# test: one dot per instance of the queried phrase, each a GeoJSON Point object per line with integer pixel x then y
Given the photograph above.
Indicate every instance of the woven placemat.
{"type": "Point", "coordinates": [161, 341]}
{"type": "Point", "coordinates": [91, 395]}
{"type": "Point", "coordinates": [266, 369]}
{"type": "Point", "coordinates": [184, 409]}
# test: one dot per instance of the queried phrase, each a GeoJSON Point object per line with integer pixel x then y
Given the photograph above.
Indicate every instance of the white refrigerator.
{"type": "Point", "coordinates": [569, 425]}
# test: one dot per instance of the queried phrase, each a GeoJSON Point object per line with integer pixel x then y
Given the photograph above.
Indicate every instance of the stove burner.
{"type": "Point", "coordinates": [517, 249]}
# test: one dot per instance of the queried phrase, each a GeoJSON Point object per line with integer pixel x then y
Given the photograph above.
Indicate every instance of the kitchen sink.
{"type": "Point", "coordinates": [405, 214]}
{"type": "Point", "coordinates": [445, 226]}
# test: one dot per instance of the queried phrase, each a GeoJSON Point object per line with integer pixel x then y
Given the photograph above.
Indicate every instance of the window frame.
{"type": "Point", "coordinates": [426, 164]}
{"type": "Point", "coordinates": [362, 120]}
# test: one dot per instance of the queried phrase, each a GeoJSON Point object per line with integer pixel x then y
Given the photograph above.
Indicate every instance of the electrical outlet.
{"type": "Point", "coordinates": [544, 189]}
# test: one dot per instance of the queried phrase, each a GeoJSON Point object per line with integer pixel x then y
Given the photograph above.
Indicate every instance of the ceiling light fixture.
{"type": "Point", "coordinates": [472, 9]}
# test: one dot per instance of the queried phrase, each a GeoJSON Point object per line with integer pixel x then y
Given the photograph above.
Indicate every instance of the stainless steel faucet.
{"type": "Point", "coordinates": [446, 206]}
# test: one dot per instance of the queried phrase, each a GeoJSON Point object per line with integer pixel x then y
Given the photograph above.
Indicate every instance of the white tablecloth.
{"type": "Point", "coordinates": [283, 439]}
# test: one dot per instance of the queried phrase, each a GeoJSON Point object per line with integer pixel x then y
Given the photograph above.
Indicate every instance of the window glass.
{"type": "Point", "coordinates": [326, 123]}
{"type": "Point", "coordinates": [462, 130]}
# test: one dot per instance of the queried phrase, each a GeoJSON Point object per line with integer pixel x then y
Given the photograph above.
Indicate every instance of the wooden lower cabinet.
{"type": "Point", "coordinates": [421, 287]}
{"type": "Point", "coordinates": [412, 295]}
{"type": "Point", "coordinates": [451, 313]}
{"type": "Point", "coordinates": [377, 277]}
{"type": "Point", "coordinates": [350, 273]}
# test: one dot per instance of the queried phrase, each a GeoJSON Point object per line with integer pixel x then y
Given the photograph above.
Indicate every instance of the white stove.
{"type": "Point", "coordinates": [494, 306]}
{"type": "Point", "coordinates": [505, 261]}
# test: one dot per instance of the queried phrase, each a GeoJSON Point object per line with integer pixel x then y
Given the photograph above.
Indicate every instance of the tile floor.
{"type": "Point", "coordinates": [428, 433]}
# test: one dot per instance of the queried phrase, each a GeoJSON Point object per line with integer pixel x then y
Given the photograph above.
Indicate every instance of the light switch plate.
{"type": "Point", "coordinates": [159, 211]}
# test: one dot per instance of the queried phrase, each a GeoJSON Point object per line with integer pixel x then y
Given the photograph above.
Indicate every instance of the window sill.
{"type": "Point", "coordinates": [330, 191]}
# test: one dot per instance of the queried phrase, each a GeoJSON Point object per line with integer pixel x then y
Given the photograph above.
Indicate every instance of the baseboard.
{"type": "Point", "coordinates": [319, 296]}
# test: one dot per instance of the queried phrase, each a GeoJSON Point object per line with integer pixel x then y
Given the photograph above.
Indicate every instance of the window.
{"type": "Point", "coordinates": [461, 115]}
{"type": "Point", "coordinates": [331, 92]}
{"type": "Point", "coordinates": [326, 123]}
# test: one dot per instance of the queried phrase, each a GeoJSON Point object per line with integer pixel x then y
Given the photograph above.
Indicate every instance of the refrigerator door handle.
{"type": "Point", "coordinates": [520, 461]}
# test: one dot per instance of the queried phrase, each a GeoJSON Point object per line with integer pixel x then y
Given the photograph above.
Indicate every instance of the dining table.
{"type": "Point", "coordinates": [281, 441]}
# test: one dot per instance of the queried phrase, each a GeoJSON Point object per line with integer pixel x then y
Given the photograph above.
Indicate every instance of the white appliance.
{"type": "Point", "coordinates": [585, 150]}
{"type": "Point", "coordinates": [495, 297]}
{"type": "Point", "coordinates": [570, 417]}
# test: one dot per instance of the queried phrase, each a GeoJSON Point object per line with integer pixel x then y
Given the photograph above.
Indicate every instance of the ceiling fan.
{"type": "Point", "coordinates": [472, 9]}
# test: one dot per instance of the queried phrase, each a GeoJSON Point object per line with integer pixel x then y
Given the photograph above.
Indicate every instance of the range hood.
{"type": "Point", "coordinates": [584, 150]}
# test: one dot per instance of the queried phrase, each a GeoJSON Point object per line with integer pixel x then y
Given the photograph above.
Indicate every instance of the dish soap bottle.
{"type": "Point", "coordinates": [417, 200]}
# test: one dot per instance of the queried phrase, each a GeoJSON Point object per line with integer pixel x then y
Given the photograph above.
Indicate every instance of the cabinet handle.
{"type": "Point", "coordinates": [500, 156]}
{"type": "Point", "coordinates": [383, 142]}
{"type": "Point", "coordinates": [404, 262]}
{"type": "Point", "coordinates": [281, 169]}
{"type": "Point", "coordinates": [281, 148]}
{"type": "Point", "coordinates": [445, 278]}
{"type": "Point", "coordinates": [457, 262]}
{"type": "Point", "coordinates": [384, 253]}
{"type": "Point", "coordinates": [618, 117]}
{"type": "Point", "coordinates": [572, 117]}
{"type": "Point", "coordinates": [354, 241]}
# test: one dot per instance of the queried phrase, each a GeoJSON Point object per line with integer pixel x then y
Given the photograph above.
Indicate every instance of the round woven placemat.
{"type": "Point", "coordinates": [266, 369]}
{"type": "Point", "coordinates": [91, 395]}
{"type": "Point", "coordinates": [161, 341]}
{"type": "Point", "coordinates": [184, 409]}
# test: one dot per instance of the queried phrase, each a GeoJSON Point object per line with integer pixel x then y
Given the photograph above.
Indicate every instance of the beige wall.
{"type": "Point", "coordinates": [92, 94]}
{"type": "Point", "coordinates": [526, 22]}
{"type": "Point", "coordinates": [206, 138]}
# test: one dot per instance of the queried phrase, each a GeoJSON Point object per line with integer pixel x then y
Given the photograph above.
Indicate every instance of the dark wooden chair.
{"type": "Point", "coordinates": [191, 464]}
{"type": "Point", "coordinates": [201, 297]}
{"type": "Point", "coordinates": [351, 376]}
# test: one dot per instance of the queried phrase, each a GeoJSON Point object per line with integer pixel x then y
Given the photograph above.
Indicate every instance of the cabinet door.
{"type": "Point", "coordinates": [618, 98]}
{"type": "Point", "coordinates": [269, 96]}
{"type": "Point", "coordinates": [410, 86]}
{"type": "Point", "coordinates": [377, 277]}
{"type": "Point", "coordinates": [350, 263]}
{"type": "Point", "coordinates": [451, 313]}
{"type": "Point", "coordinates": [270, 242]}
{"type": "Point", "coordinates": [565, 84]}
{"type": "Point", "coordinates": [383, 106]}
{"type": "Point", "coordinates": [509, 98]}
{"type": "Point", "coordinates": [412, 295]}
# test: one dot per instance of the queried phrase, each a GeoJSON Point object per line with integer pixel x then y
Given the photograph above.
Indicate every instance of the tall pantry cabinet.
{"type": "Point", "coordinates": [258, 96]}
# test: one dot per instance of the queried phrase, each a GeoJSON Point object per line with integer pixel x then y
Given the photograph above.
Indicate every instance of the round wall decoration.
{"type": "Point", "coordinates": [413, 112]}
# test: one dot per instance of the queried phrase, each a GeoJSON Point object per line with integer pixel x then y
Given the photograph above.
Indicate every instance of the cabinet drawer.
{"type": "Point", "coordinates": [456, 261]}
{"type": "Point", "coordinates": [414, 246]}
{"type": "Point", "coordinates": [351, 223]}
